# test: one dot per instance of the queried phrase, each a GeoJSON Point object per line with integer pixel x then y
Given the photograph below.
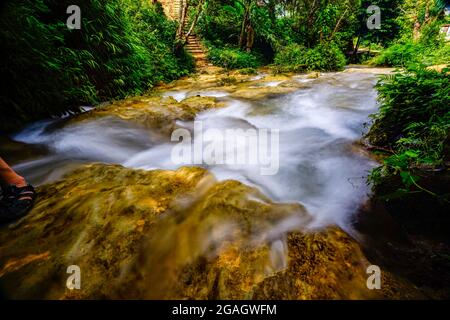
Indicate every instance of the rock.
{"type": "Point", "coordinates": [313, 75]}
{"type": "Point", "coordinates": [95, 218]}
{"type": "Point", "coordinates": [259, 93]}
{"type": "Point", "coordinates": [238, 85]}
{"type": "Point", "coordinates": [159, 113]}
{"type": "Point", "coordinates": [173, 234]}
{"type": "Point", "coordinates": [368, 69]}
{"type": "Point", "coordinates": [293, 84]}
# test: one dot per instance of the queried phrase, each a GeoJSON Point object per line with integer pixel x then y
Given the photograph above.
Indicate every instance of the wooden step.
{"type": "Point", "coordinates": [195, 48]}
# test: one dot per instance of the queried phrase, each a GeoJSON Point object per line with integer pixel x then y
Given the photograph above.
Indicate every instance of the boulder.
{"type": "Point", "coordinates": [154, 112]}
{"type": "Point", "coordinates": [173, 234]}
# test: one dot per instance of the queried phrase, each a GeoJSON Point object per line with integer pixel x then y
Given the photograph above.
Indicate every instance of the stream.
{"type": "Point", "coordinates": [321, 164]}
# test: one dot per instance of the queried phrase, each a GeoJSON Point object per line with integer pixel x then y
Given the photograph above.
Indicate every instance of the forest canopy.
{"type": "Point", "coordinates": [125, 47]}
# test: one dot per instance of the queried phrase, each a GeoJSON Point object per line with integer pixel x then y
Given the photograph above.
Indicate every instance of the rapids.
{"type": "Point", "coordinates": [321, 165]}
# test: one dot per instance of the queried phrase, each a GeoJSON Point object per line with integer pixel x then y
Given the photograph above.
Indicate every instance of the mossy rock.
{"type": "Point", "coordinates": [259, 93]}
{"type": "Point", "coordinates": [160, 113]}
{"type": "Point", "coordinates": [173, 234]}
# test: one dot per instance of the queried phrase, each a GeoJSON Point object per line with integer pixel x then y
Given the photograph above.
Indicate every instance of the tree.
{"type": "Point", "coordinates": [419, 13]}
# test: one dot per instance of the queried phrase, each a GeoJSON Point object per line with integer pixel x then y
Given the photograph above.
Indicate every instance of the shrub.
{"type": "Point", "coordinates": [248, 71]}
{"type": "Point", "coordinates": [430, 49]}
{"type": "Point", "coordinates": [233, 58]}
{"type": "Point", "coordinates": [399, 54]}
{"type": "Point", "coordinates": [440, 55]}
{"type": "Point", "coordinates": [124, 47]}
{"type": "Point", "coordinates": [323, 57]}
{"type": "Point", "coordinates": [292, 58]}
{"type": "Point", "coordinates": [413, 120]}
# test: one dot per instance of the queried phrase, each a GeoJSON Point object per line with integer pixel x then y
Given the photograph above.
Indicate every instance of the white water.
{"type": "Point", "coordinates": [318, 165]}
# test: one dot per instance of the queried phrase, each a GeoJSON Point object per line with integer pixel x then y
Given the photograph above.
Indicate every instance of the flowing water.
{"type": "Point", "coordinates": [320, 163]}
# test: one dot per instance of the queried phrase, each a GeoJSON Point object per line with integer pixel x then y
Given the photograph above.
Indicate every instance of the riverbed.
{"type": "Point", "coordinates": [320, 163]}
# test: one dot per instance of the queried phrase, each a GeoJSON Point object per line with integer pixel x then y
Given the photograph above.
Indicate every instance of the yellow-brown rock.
{"type": "Point", "coordinates": [173, 234]}
{"type": "Point", "coordinates": [153, 112]}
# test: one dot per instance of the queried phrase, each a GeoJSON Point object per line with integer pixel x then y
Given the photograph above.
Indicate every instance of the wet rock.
{"type": "Point", "coordinates": [313, 75]}
{"type": "Point", "coordinates": [159, 113]}
{"type": "Point", "coordinates": [318, 265]}
{"type": "Point", "coordinates": [259, 93]}
{"type": "Point", "coordinates": [367, 69]}
{"type": "Point", "coordinates": [293, 84]}
{"type": "Point", "coordinates": [95, 218]}
{"type": "Point", "coordinates": [173, 234]}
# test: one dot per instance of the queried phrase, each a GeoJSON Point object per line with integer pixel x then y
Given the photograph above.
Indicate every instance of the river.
{"type": "Point", "coordinates": [321, 164]}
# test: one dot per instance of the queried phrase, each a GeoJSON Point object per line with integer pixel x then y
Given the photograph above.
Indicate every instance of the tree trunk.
{"type": "Point", "coordinates": [242, 36]}
{"type": "Point", "coordinates": [427, 11]}
{"type": "Point", "coordinates": [272, 14]}
{"type": "Point", "coordinates": [355, 51]}
{"type": "Point", "coordinates": [338, 24]}
{"type": "Point", "coordinates": [250, 38]}
{"type": "Point", "coordinates": [182, 18]}
{"type": "Point", "coordinates": [350, 46]}
{"type": "Point", "coordinates": [416, 30]}
{"type": "Point", "coordinates": [191, 28]}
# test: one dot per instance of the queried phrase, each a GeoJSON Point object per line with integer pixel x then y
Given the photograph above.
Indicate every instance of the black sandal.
{"type": "Point", "coordinates": [16, 202]}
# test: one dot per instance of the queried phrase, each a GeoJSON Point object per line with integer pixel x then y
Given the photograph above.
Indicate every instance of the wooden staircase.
{"type": "Point", "coordinates": [193, 44]}
{"type": "Point", "coordinates": [176, 9]}
{"type": "Point", "coordinates": [195, 48]}
{"type": "Point", "coordinates": [173, 9]}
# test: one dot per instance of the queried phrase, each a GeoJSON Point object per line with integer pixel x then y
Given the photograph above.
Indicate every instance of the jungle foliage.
{"type": "Point", "coordinates": [419, 40]}
{"type": "Point", "coordinates": [233, 58]}
{"type": "Point", "coordinates": [414, 117]}
{"type": "Point", "coordinates": [271, 29]}
{"type": "Point", "coordinates": [413, 122]}
{"type": "Point", "coordinates": [323, 57]}
{"type": "Point", "coordinates": [123, 48]}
